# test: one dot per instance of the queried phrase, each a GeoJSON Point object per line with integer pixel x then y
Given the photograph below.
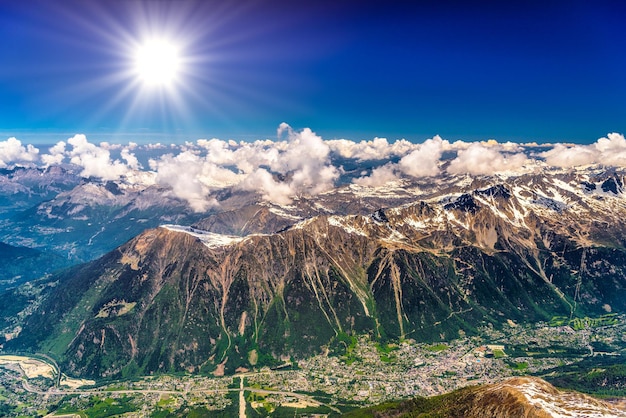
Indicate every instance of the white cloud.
{"type": "Point", "coordinates": [485, 159]}
{"type": "Point", "coordinates": [502, 146]}
{"type": "Point", "coordinates": [380, 176]}
{"type": "Point", "coordinates": [245, 156]}
{"type": "Point", "coordinates": [271, 190]}
{"type": "Point", "coordinates": [131, 159]}
{"type": "Point", "coordinates": [192, 178]}
{"type": "Point", "coordinates": [12, 151]}
{"type": "Point", "coordinates": [301, 160]}
{"type": "Point", "coordinates": [613, 142]}
{"type": "Point", "coordinates": [182, 173]}
{"type": "Point", "coordinates": [96, 161]}
{"type": "Point", "coordinates": [56, 154]}
{"type": "Point", "coordinates": [424, 161]}
{"type": "Point", "coordinates": [570, 156]}
{"type": "Point", "coordinates": [306, 159]}
{"type": "Point", "coordinates": [109, 146]}
{"type": "Point", "coordinates": [610, 150]}
{"type": "Point", "coordinates": [250, 156]}
{"type": "Point", "coordinates": [155, 146]}
{"type": "Point", "coordinates": [299, 163]}
{"type": "Point", "coordinates": [376, 149]}
{"type": "Point", "coordinates": [218, 151]}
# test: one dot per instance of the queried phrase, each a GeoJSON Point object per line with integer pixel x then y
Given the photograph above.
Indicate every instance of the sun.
{"type": "Point", "coordinates": [157, 63]}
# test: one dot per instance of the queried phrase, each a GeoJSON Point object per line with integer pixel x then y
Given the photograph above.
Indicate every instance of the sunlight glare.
{"type": "Point", "coordinates": [157, 63]}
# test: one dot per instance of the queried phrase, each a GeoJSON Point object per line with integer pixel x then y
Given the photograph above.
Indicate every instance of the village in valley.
{"type": "Point", "coordinates": [363, 373]}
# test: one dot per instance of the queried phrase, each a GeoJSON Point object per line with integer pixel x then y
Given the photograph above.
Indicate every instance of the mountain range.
{"type": "Point", "coordinates": [257, 283]}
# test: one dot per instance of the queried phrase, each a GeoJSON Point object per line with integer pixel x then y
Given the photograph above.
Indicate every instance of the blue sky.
{"type": "Point", "coordinates": [527, 71]}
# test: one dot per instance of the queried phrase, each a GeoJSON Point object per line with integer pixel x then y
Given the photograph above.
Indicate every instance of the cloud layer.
{"type": "Point", "coordinates": [301, 163]}
{"type": "Point", "coordinates": [610, 151]}
{"type": "Point", "coordinates": [13, 152]}
{"type": "Point", "coordinates": [480, 159]}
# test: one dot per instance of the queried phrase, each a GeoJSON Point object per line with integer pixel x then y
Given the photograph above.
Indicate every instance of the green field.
{"type": "Point", "coordinates": [586, 322]}
{"type": "Point", "coordinates": [435, 348]}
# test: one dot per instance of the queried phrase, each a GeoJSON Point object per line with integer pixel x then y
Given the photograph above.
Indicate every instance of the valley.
{"type": "Point", "coordinates": [359, 374]}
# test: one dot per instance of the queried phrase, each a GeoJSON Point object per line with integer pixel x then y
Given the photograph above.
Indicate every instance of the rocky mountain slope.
{"type": "Point", "coordinates": [472, 253]}
{"type": "Point", "coordinates": [517, 397]}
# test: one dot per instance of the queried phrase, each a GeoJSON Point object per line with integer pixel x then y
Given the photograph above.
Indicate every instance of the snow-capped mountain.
{"type": "Point", "coordinates": [440, 258]}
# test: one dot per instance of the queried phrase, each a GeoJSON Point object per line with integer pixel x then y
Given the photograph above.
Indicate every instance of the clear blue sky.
{"type": "Point", "coordinates": [545, 71]}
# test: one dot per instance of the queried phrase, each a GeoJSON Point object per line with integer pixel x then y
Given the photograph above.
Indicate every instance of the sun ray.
{"type": "Point", "coordinates": [158, 66]}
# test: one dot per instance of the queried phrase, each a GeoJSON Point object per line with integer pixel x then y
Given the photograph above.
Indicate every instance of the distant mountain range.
{"type": "Point", "coordinates": [21, 264]}
{"type": "Point", "coordinates": [257, 283]}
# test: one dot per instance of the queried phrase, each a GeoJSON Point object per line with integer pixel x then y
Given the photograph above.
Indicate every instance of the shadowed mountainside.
{"type": "Point", "coordinates": [178, 298]}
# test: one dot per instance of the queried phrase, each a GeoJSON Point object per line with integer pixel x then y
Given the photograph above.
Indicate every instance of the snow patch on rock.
{"type": "Point", "coordinates": [210, 239]}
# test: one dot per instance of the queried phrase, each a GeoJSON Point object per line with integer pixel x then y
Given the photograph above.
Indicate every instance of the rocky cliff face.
{"type": "Point", "coordinates": [180, 298]}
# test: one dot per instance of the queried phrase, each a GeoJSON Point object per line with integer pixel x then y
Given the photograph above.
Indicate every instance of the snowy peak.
{"type": "Point", "coordinates": [492, 215]}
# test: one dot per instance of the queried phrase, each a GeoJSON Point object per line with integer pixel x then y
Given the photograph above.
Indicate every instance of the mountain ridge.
{"type": "Point", "coordinates": [180, 298]}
